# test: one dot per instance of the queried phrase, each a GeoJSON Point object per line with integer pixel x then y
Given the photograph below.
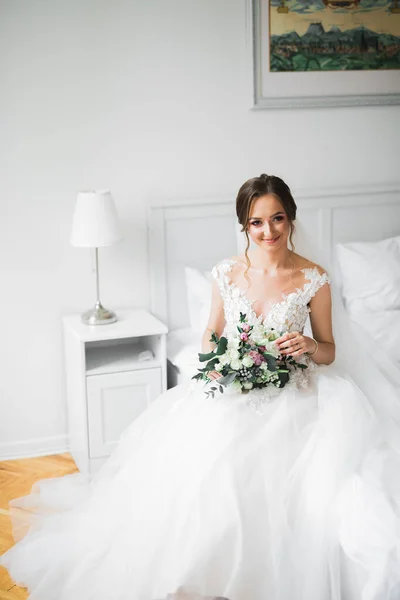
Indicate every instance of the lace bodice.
{"type": "Point", "coordinates": [290, 314]}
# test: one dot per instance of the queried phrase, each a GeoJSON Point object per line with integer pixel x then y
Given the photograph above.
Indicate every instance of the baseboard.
{"type": "Point", "coordinates": [56, 444]}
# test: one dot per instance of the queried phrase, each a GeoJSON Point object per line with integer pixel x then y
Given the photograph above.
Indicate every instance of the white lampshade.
{"type": "Point", "coordinates": [95, 221]}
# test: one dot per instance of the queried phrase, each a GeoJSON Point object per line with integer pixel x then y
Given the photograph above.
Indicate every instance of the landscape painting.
{"type": "Point", "coordinates": [334, 35]}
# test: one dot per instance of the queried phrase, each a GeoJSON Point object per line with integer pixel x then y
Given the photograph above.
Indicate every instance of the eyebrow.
{"type": "Point", "coordinates": [280, 212]}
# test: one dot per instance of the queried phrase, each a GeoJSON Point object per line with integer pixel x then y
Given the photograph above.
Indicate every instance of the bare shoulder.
{"type": "Point", "coordinates": [230, 264]}
{"type": "Point", "coordinates": [238, 263]}
{"type": "Point", "coordinates": [303, 263]}
{"type": "Point", "coordinates": [227, 259]}
{"type": "Point", "coordinates": [239, 258]}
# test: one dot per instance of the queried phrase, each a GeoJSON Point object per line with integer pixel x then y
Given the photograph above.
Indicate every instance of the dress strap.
{"type": "Point", "coordinates": [220, 273]}
{"type": "Point", "coordinates": [315, 281]}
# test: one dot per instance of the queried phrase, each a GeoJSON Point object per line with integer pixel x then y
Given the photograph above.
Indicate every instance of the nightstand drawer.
{"type": "Point", "coordinates": [114, 400]}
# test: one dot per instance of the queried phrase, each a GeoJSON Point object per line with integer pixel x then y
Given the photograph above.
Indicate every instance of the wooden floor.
{"type": "Point", "coordinates": [16, 479]}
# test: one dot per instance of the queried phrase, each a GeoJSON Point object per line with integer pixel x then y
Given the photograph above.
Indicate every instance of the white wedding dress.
{"type": "Point", "coordinates": [258, 496]}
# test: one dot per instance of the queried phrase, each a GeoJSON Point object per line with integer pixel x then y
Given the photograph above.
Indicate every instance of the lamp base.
{"type": "Point", "coordinates": [98, 316]}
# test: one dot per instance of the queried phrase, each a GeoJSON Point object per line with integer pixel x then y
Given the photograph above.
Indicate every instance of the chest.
{"type": "Point", "coordinates": [289, 313]}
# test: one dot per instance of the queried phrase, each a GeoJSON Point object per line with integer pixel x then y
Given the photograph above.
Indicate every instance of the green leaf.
{"type": "Point", "coordinates": [271, 361]}
{"type": "Point", "coordinates": [214, 338]}
{"type": "Point", "coordinates": [227, 379]}
{"type": "Point", "coordinates": [198, 376]}
{"type": "Point", "coordinates": [211, 392]}
{"type": "Point", "coordinates": [220, 349]}
{"type": "Point", "coordinates": [222, 346]}
{"type": "Point", "coordinates": [211, 364]}
{"type": "Point", "coordinates": [207, 356]}
{"type": "Point", "coordinates": [283, 377]}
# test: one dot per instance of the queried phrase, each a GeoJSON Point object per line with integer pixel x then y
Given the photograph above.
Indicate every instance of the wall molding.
{"type": "Point", "coordinates": [33, 448]}
{"type": "Point", "coordinates": [363, 192]}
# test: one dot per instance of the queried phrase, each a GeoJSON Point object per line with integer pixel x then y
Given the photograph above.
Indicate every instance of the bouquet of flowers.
{"type": "Point", "coordinates": [247, 360]}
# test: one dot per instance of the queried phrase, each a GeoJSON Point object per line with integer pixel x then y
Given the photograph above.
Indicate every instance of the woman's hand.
{"type": "Point", "coordinates": [214, 375]}
{"type": "Point", "coordinates": [295, 344]}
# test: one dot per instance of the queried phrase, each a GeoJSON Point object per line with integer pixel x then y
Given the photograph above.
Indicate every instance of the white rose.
{"type": "Point", "coordinates": [247, 361]}
{"type": "Point", "coordinates": [272, 349]}
{"type": "Point", "coordinates": [219, 367]}
{"type": "Point", "coordinates": [236, 386]}
{"type": "Point", "coordinates": [224, 359]}
{"type": "Point", "coordinates": [258, 338]}
{"type": "Point", "coordinates": [233, 354]}
{"type": "Point", "coordinates": [247, 385]}
{"type": "Point", "coordinates": [234, 343]}
{"type": "Point", "coordinates": [236, 365]}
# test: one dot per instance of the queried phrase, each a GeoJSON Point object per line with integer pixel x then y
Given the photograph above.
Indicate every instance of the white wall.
{"type": "Point", "coordinates": [150, 99]}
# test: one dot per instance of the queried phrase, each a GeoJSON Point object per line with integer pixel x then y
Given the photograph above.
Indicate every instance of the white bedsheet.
{"type": "Point", "coordinates": [384, 327]}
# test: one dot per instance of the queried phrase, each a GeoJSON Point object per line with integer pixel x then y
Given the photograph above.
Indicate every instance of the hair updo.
{"type": "Point", "coordinates": [261, 186]}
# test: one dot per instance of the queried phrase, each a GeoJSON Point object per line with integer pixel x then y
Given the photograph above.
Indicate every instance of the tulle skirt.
{"type": "Point", "coordinates": [295, 498]}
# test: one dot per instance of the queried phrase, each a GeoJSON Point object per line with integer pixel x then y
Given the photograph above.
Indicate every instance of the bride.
{"type": "Point", "coordinates": [251, 496]}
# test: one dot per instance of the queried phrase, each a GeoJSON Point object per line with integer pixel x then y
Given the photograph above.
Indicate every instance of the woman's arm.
{"type": "Point", "coordinates": [216, 321]}
{"type": "Point", "coordinates": [321, 325]}
{"type": "Point", "coordinates": [295, 343]}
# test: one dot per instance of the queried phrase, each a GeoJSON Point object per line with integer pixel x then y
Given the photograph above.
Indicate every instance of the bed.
{"type": "Point", "coordinates": [357, 229]}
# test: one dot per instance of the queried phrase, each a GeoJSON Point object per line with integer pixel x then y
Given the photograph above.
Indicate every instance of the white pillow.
{"type": "Point", "coordinates": [198, 293]}
{"type": "Point", "coordinates": [370, 274]}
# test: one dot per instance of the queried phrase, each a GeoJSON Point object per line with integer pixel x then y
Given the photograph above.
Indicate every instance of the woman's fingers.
{"type": "Point", "coordinates": [214, 375]}
{"type": "Point", "coordinates": [294, 345]}
{"type": "Point", "coordinates": [291, 344]}
{"type": "Point", "coordinates": [298, 352]}
{"type": "Point", "coordinates": [286, 340]}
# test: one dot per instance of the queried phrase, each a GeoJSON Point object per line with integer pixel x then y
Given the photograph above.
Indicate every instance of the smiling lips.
{"type": "Point", "coordinates": [272, 240]}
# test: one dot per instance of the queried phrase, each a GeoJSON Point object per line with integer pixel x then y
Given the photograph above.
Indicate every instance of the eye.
{"type": "Point", "coordinates": [256, 223]}
{"type": "Point", "coordinates": [279, 218]}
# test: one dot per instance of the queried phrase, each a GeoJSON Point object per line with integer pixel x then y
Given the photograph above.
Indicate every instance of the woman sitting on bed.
{"type": "Point", "coordinates": [245, 496]}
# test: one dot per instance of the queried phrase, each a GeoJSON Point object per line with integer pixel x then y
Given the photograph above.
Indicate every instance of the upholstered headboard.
{"type": "Point", "coordinates": [200, 233]}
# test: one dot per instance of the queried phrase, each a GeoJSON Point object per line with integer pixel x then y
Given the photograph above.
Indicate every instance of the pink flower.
{"type": "Point", "coordinates": [256, 357]}
{"type": "Point", "coordinates": [262, 348]}
{"type": "Point", "coordinates": [246, 327]}
{"type": "Point", "coordinates": [244, 336]}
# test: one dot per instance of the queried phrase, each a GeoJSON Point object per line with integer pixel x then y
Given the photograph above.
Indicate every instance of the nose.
{"type": "Point", "coordinates": [268, 229]}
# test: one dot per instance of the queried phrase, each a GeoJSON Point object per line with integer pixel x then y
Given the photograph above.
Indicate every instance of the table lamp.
{"type": "Point", "coordinates": [95, 224]}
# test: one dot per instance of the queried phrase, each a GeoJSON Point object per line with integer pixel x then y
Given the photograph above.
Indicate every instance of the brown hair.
{"type": "Point", "coordinates": [261, 186]}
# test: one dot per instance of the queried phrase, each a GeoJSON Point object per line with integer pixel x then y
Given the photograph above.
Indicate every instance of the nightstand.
{"type": "Point", "coordinates": [109, 380]}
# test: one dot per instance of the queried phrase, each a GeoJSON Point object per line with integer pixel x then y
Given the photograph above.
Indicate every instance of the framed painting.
{"type": "Point", "coordinates": [310, 53]}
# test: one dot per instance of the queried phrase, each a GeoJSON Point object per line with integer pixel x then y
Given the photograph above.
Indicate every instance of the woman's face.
{"type": "Point", "coordinates": [268, 226]}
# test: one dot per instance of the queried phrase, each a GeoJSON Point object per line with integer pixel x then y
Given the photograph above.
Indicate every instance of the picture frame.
{"type": "Point", "coordinates": [313, 89]}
